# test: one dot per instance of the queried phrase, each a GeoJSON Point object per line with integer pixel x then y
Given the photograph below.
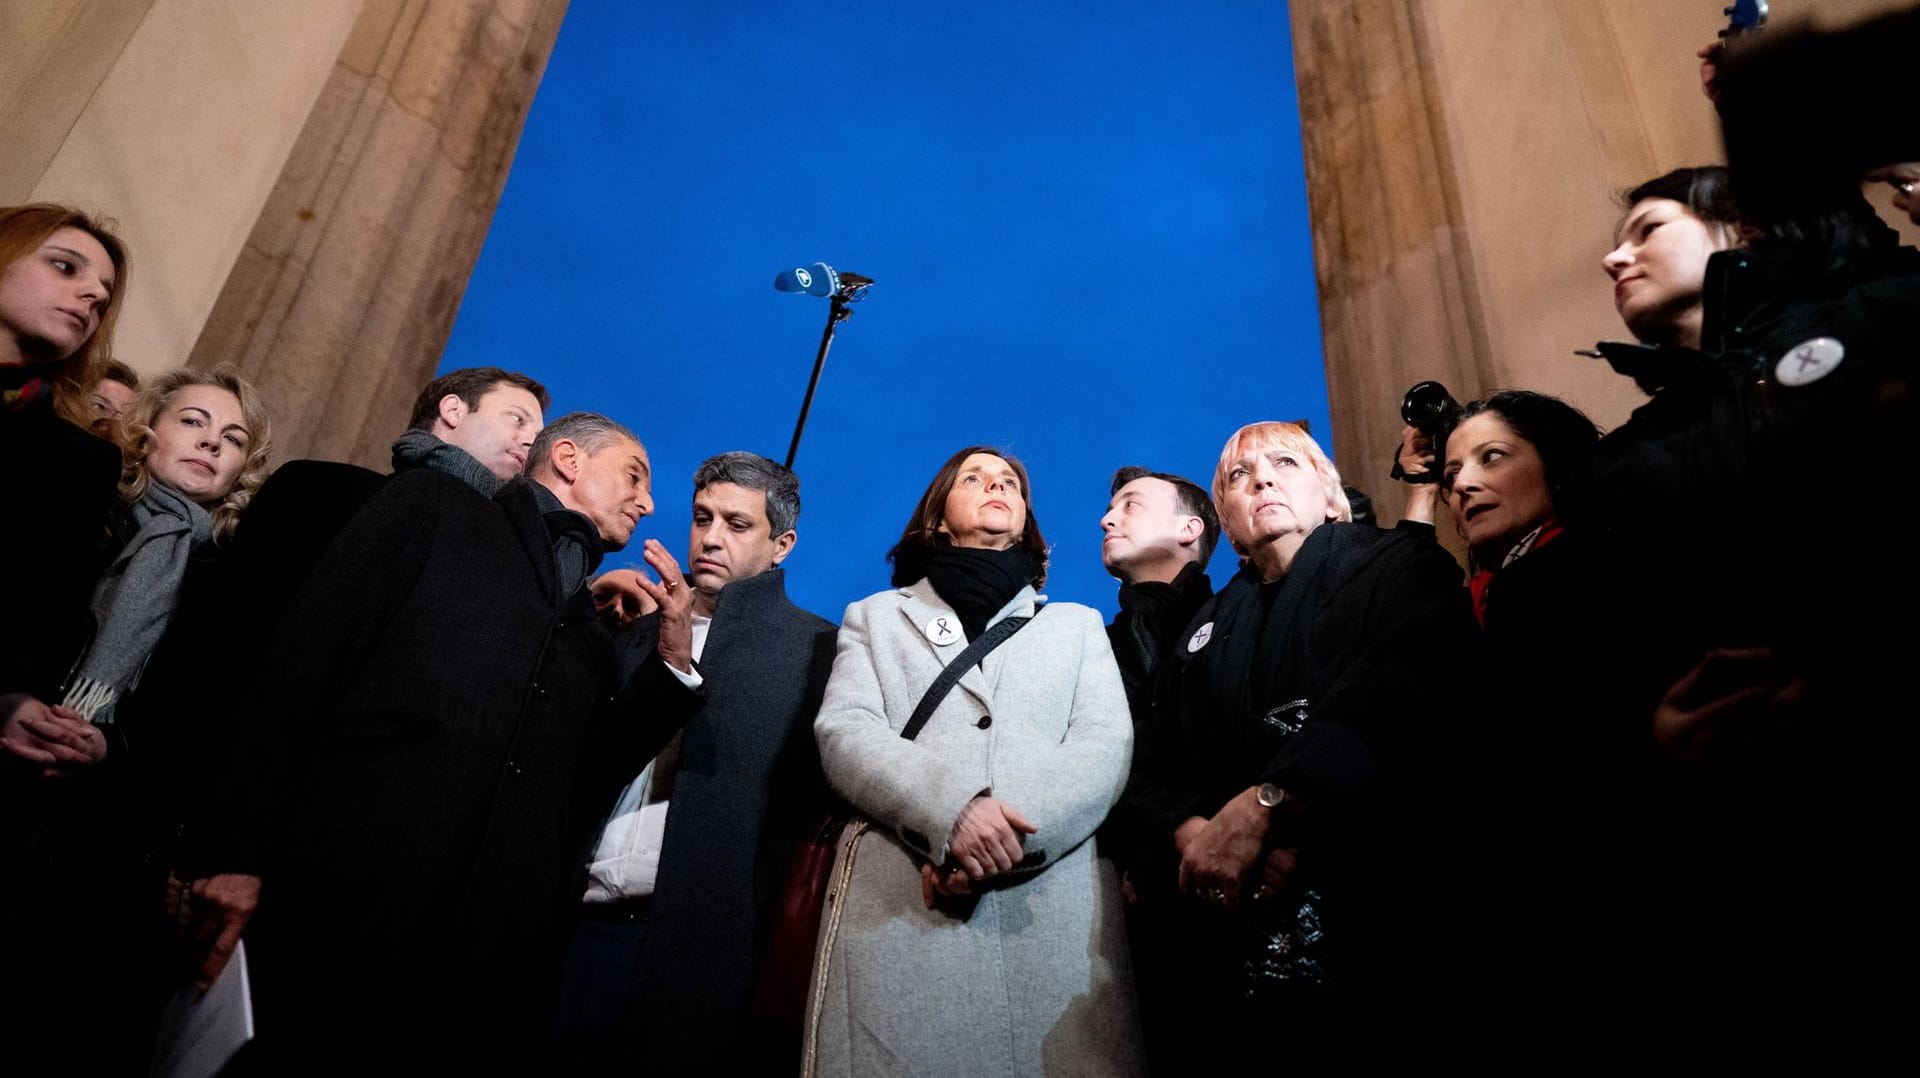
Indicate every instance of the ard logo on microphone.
{"type": "Point", "coordinates": [805, 278]}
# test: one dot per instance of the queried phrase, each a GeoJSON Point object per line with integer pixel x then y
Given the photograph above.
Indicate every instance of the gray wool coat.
{"type": "Point", "coordinates": [1030, 977]}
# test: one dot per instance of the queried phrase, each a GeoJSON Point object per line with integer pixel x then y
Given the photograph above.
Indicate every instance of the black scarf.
{"type": "Point", "coordinates": [577, 546]}
{"type": "Point", "coordinates": [977, 583]}
{"type": "Point", "coordinates": [1152, 600]}
{"type": "Point", "coordinates": [1259, 657]}
{"type": "Point", "coordinates": [1152, 614]}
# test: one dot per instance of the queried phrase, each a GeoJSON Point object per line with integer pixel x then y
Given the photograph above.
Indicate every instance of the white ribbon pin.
{"type": "Point", "coordinates": [1200, 637]}
{"type": "Point", "coordinates": [942, 630]}
{"type": "Point", "coordinates": [1809, 361]}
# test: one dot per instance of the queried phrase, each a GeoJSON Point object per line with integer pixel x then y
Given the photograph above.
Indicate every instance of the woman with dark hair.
{"type": "Point", "coordinates": [1296, 743]}
{"type": "Point", "coordinates": [1759, 338]}
{"type": "Point", "coordinates": [1562, 768]}
{"type": "Point", "coordinates": [970, 928]}
{"type": "Point", "coordinates": [1516, 469]}
{"type": "Point", "coordinates": [1777, 368]}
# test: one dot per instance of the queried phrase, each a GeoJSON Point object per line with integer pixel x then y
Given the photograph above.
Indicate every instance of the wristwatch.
{"type": "Point", "coordinates": [1270, 796]}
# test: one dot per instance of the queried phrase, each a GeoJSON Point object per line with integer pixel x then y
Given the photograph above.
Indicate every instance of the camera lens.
{"type": "Point", "coordinates": [1425, 403]}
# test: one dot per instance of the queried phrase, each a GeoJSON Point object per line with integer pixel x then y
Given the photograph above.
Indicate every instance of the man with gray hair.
{"type": "Point", "coordinates": [437, 691]}
{"type": "Point", "coordinates": [683, 875]}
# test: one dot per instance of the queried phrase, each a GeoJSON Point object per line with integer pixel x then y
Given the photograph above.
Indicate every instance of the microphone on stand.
{"type": "Point", "coordinates": [820, 279]}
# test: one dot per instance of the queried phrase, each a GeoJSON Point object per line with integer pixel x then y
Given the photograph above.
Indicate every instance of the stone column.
{"type": "Point", "coordinates": [345, 293]}
{"type": "Point", "coordinates": [172, 117]}
{"type": "Point", "coordinates": [1398, 298]}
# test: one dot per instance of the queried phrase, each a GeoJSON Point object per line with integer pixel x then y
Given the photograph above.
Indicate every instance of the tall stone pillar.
{"type": "Point", "coordinates": [1398, 298]}
{"type": "Point", "coordinates": [345, 292]}
{"type": "Point", "coordinates": [1462, 159]}
{"type": "Point", "coordinates": [171, 117]}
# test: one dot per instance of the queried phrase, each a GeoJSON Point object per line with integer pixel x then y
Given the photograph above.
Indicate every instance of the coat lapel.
{"type": "Point", "coordinates": [529, 524]}
{"type": "Point", "coordinates": [923, 609]}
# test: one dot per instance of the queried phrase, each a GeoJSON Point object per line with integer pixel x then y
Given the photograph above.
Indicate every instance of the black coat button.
{"type": "Point", "coordinates": [985, 721]}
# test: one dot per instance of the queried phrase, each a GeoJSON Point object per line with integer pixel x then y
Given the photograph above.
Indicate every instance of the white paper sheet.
{"type": "Point", "coordinates": [198, 1036]}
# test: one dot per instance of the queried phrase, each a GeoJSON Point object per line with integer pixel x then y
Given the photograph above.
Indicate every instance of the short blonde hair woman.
{"type": "Point", "coordinates": [1287, 737]}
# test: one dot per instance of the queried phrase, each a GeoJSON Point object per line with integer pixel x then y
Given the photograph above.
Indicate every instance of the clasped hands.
{"type": "Point", "coordinates": [57, 738]}
{"type": "Point", "coordinates": [1220, 856]}
{"type": "Point", "coordinates": [986, 840]}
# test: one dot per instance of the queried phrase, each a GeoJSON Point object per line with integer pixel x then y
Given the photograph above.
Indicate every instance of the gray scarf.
{"type": "Point", "coordinates": [135, 597]}
{"type": "Point", "coordinates": [419, 449]}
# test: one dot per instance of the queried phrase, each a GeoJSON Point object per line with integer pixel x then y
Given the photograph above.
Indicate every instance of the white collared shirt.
{"type": "Point", "coordinates": [626, 861]}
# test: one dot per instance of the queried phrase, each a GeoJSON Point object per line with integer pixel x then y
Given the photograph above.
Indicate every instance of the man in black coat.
{"type": "Point", "coordinates": [476, 424]}
{"type": "Point", "coordinates": [1160, 530]}
{"type": "Point", "coordinates": [683, 875]}
{"type": "Point", "coordinates": [439, 682]}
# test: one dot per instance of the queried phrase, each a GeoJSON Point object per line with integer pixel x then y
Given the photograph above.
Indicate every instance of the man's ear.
{"type": "Point", "coordinates": [1191, 529]}
{"type": "Point", "coordinates": [453, 411]}
{"type": "Point", "coordinates": [783, 545]}
{"type": "Point", "coordinates": [565, 459]}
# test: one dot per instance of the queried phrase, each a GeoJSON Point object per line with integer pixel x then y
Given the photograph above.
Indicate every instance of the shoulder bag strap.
{"type": "Point", "coordinates": [974, 653]}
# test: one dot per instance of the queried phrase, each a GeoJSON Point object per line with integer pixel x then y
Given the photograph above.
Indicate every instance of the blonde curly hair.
{"type": "Point", "coordinates": [135, 436]}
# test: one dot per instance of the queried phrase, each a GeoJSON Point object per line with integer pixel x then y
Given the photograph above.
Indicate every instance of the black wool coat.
{"type": "Point", "coordinates": [289, 524]}
{"type": "Point", "coordinates": [748, 785]}
{"type": "Point", "coordinates": [1154, 622]}
{"type": "Point", "coordinates": [57, 482]}
{"type": "Point", "coordinates": [1341, 716]}
{"type": "Point", "coordinates": [429, 703]}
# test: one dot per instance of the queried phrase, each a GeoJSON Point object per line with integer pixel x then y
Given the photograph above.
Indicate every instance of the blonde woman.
{"type": "Point", "coordinates": [97, 776]}
{"type": "Point", "coordinates": [1285, 765]}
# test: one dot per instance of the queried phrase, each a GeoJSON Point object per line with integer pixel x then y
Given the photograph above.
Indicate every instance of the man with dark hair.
{"type": "Point", "coordinates": [439, 692]}
{"type": "Point", "coordinates": [1160, 531]}
{"type": "Point", "coordinates": [475, 424]}
{"type": "Point", "coordinates": [487, 413]}
{"type": "Point", "coordinates": [683, 875]}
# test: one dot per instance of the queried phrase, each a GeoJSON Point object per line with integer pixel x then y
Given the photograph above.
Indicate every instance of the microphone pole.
{"type": "Point", "coordinates": [845, 289]}
{"type": "Point", "coordinates": [837, 312]}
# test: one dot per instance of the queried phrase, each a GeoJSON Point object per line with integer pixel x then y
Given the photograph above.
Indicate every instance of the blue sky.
{"type": "Point", "coordinates": [1087, 223]}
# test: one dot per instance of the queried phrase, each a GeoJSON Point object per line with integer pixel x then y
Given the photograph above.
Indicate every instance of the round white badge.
{"type": "Point", "coordinates": [943, 630]}
{"type": "Point", "coordinates": [1809, 361]}
{"type": "Point", "coordinates": [805, 278]}
{"type": "Point", "coordinates": [1200, 637]}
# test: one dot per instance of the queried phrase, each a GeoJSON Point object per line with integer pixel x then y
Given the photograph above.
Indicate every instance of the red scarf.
{"type": "Point", "coordinates": [1548, 531]}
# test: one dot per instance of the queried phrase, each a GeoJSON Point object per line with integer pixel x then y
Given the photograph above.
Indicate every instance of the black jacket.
{"type": "Point", "coordinates": [1154, 621]}
{"type": "Point", "coordinates": [426, 712]}
{"type": "Point", "coordinates": [1712, 486]}
{"type": "Point", "coordinates": [748, 784]}
{"type": "Point", "coordinates": [1741, 512]}
{"type": "Point", "coordinates": [1150, 622]}
{"type": "Point", "coordinates": [1321, 684]}
{"type": "Point", "coordinates": [57, 482]}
